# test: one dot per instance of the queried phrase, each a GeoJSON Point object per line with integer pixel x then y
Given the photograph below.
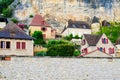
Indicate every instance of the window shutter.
{"type": "Point", "coordinates": [97, 48]}
{"type": "Point", "coordinates": [86, 50]}
{"type": "Point", "coordinates": [23, 45]}
{"type": "Point", "coordinates": [102, 40]}
{"type": "Point", "coordinates": [104, 50]}
{"type": "Point", "coordinates": [107, 41]}
{"type": "Point", "coordinates": [18, 45]}
{"type": "Point", "coordinates": [113, 50]}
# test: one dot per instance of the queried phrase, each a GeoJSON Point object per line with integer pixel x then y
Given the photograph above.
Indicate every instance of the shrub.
{"type": "Point", "coordinates": [7, 12]}
{"type": "Point", "coordinates": [61, 50]}
{"type": "Point", "coordinates": [14, 20]}
{"type": "Point", "coordinates": [41, 53]}
{"type": "Point", "coordinates": [56, 42]}
{"type": "Point", "coordinates": [31, 16]}
{"type": "Point", "coordinates": [38, 38]}
{"type": "Point", "coordinates": [76, 53]}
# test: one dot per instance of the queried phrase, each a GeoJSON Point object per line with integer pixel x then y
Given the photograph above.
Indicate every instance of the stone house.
{"type": "Point", "coordinates": [13, 41]}
{"type": "Point", "coordinates": [117, 47]}
{"type": "Point", "coordinates": [76, 28]}
{"type": "Point", "coordinates": [3, 22]}
{"type": "Point", "coordinates": [39, 24]}
{"type": "Point", "coordinates": [91, 43]}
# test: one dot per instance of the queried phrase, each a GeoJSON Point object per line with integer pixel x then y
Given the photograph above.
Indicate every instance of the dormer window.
{"type": "Point", "coordinates": [83, 42]}
{"type": "Point", "coordinates": [44, 29]}
{"type": "Point", "coordinates": [84, 26]}
{"type": "Point", "coordinates": [104, 40]}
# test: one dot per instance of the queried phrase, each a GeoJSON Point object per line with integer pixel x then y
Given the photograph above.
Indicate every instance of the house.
{"type": "Point", "coordinates": [39, 24]}
{"type": "Point", "coordinates": [95, 26]}
{"type": "Point", "coordinates": [3, 22]}
{"type": "Point", "coordinates": [90, 43]}
{"type": "Point", "coordinates": [105, 23]}
{"type": "Point", "coordinates": [117, 46]}
{"type": "Point", "coordinates": [76, 28]}
{"type": "Point", "coordinates": [13, 41]}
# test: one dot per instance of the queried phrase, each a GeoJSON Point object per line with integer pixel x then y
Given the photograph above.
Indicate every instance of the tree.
{"type": "Point", "coordinates": [14, 20]}
{"type": "Point", "coordinates": [4, 4]}
{"type": "Point", "coordinates": [76, 37]}
{"type": "Point", "coordinates": [112, 32]}
{"type": "Point", "coordinates": [7, 12]}
{"type": "Point", "coordinates": [38, 38]}
{"type": "Point", "coordinates": [69, 37]}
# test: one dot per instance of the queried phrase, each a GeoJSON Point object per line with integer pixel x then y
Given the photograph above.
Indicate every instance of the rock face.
{"type": "Point", "coordinates": [63, 10]}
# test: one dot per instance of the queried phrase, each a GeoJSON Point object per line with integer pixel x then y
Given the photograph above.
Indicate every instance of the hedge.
{"type": "Point", "coordinates": [61, 50]}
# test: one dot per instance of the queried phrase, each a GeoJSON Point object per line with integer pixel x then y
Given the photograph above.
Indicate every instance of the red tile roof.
{"type": "Point", "coordinates": [38, 20]}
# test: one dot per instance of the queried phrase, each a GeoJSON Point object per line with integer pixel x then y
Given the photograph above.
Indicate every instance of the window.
{"type": "Point", "coordinates": [44, 29]}
{"type": "Point", "coordinates": [20, 45]}
{"type": "Point", "coordinates": [5, 45]}
{"type": "Point", "coordinates": [101, 49]}
{"type": "Point", "coordinates": [44, 36]}
{"type": "Point", "coordinates": [2, 44]}
{"type": "Point", "coordinates": [111, 50]}
{"type": "Point", "coordinates": [85, 50]}
{"type": "Point", "coordinates": [104, 40]}
{"type": "Point", "coordinates": [23, 45]}
{"type": "Point", "coordinates": [83, 42]}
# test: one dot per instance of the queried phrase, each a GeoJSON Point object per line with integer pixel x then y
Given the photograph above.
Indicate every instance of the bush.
{"type": "Point", "coordinates": [31, 16]}
{"type": "Point", "coordinates": [61, 50]}
{"type": "Point", "coordinates": [38, 38]}
{"type": "Point", "coordinates": [76, 53]}
{"type": "Point", "coordinates": [14, 20]}
{"type": "Point", "coordinates": [41, 53]}
{"type": "Point", "coordinates": [7, 12]}
{"type": "Point", "coordinates": [56, 42]}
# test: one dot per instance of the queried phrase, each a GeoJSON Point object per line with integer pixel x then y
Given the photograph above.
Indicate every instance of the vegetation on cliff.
{"type": "Point", "coordinates": [112, 32]}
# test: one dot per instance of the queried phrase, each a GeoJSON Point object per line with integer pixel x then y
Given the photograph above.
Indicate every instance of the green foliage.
{"type": "Point", "coordinates": [69, 37]}
{"type": "Point", "coordinates": [38, 38]}
{"type": "Point", "coordinates": [7, 12]}
{"type": "Point", "coordinates": [4, 4]}
{"type": "Point", "coordinates": [31, 16]}
{"type": "Point", "coordinates": [112, 32]}
{"type": "Point", "coordinates": [14, 20]}
{"type": "Point", "coordinates": [76, 53]}
{"type": "Point", "coordinates": [76, 37]}
{"type": "Point", "coordinates": [61, 50]}
{"type": "Point", "coordinates": [41, 53]}
{"type": "Point", "coordinates": [56, 42]}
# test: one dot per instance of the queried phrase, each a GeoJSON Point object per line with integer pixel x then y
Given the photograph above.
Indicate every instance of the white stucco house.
{"type": "Point", "coordinates": [14, 41]}
{"type": "Point", "coordinates": [95, 44]}
{"type": "Point", "coordinates": [117, 47]}
{"type": "Point", "coordinates": [76, 28]}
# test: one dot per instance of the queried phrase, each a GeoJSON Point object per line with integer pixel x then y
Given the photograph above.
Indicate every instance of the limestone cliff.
{"type": "Point", "coordinates": [58, 12]}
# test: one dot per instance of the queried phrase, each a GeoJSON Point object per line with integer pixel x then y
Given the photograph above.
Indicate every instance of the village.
{"type": "Point", "coordinates": [59, 40]}
{"type": "Point", "coordinates": [17, 40]}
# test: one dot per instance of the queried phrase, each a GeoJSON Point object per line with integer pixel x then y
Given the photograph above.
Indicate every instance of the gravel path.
{"type": "Point", "coordinates": [59, 69]}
